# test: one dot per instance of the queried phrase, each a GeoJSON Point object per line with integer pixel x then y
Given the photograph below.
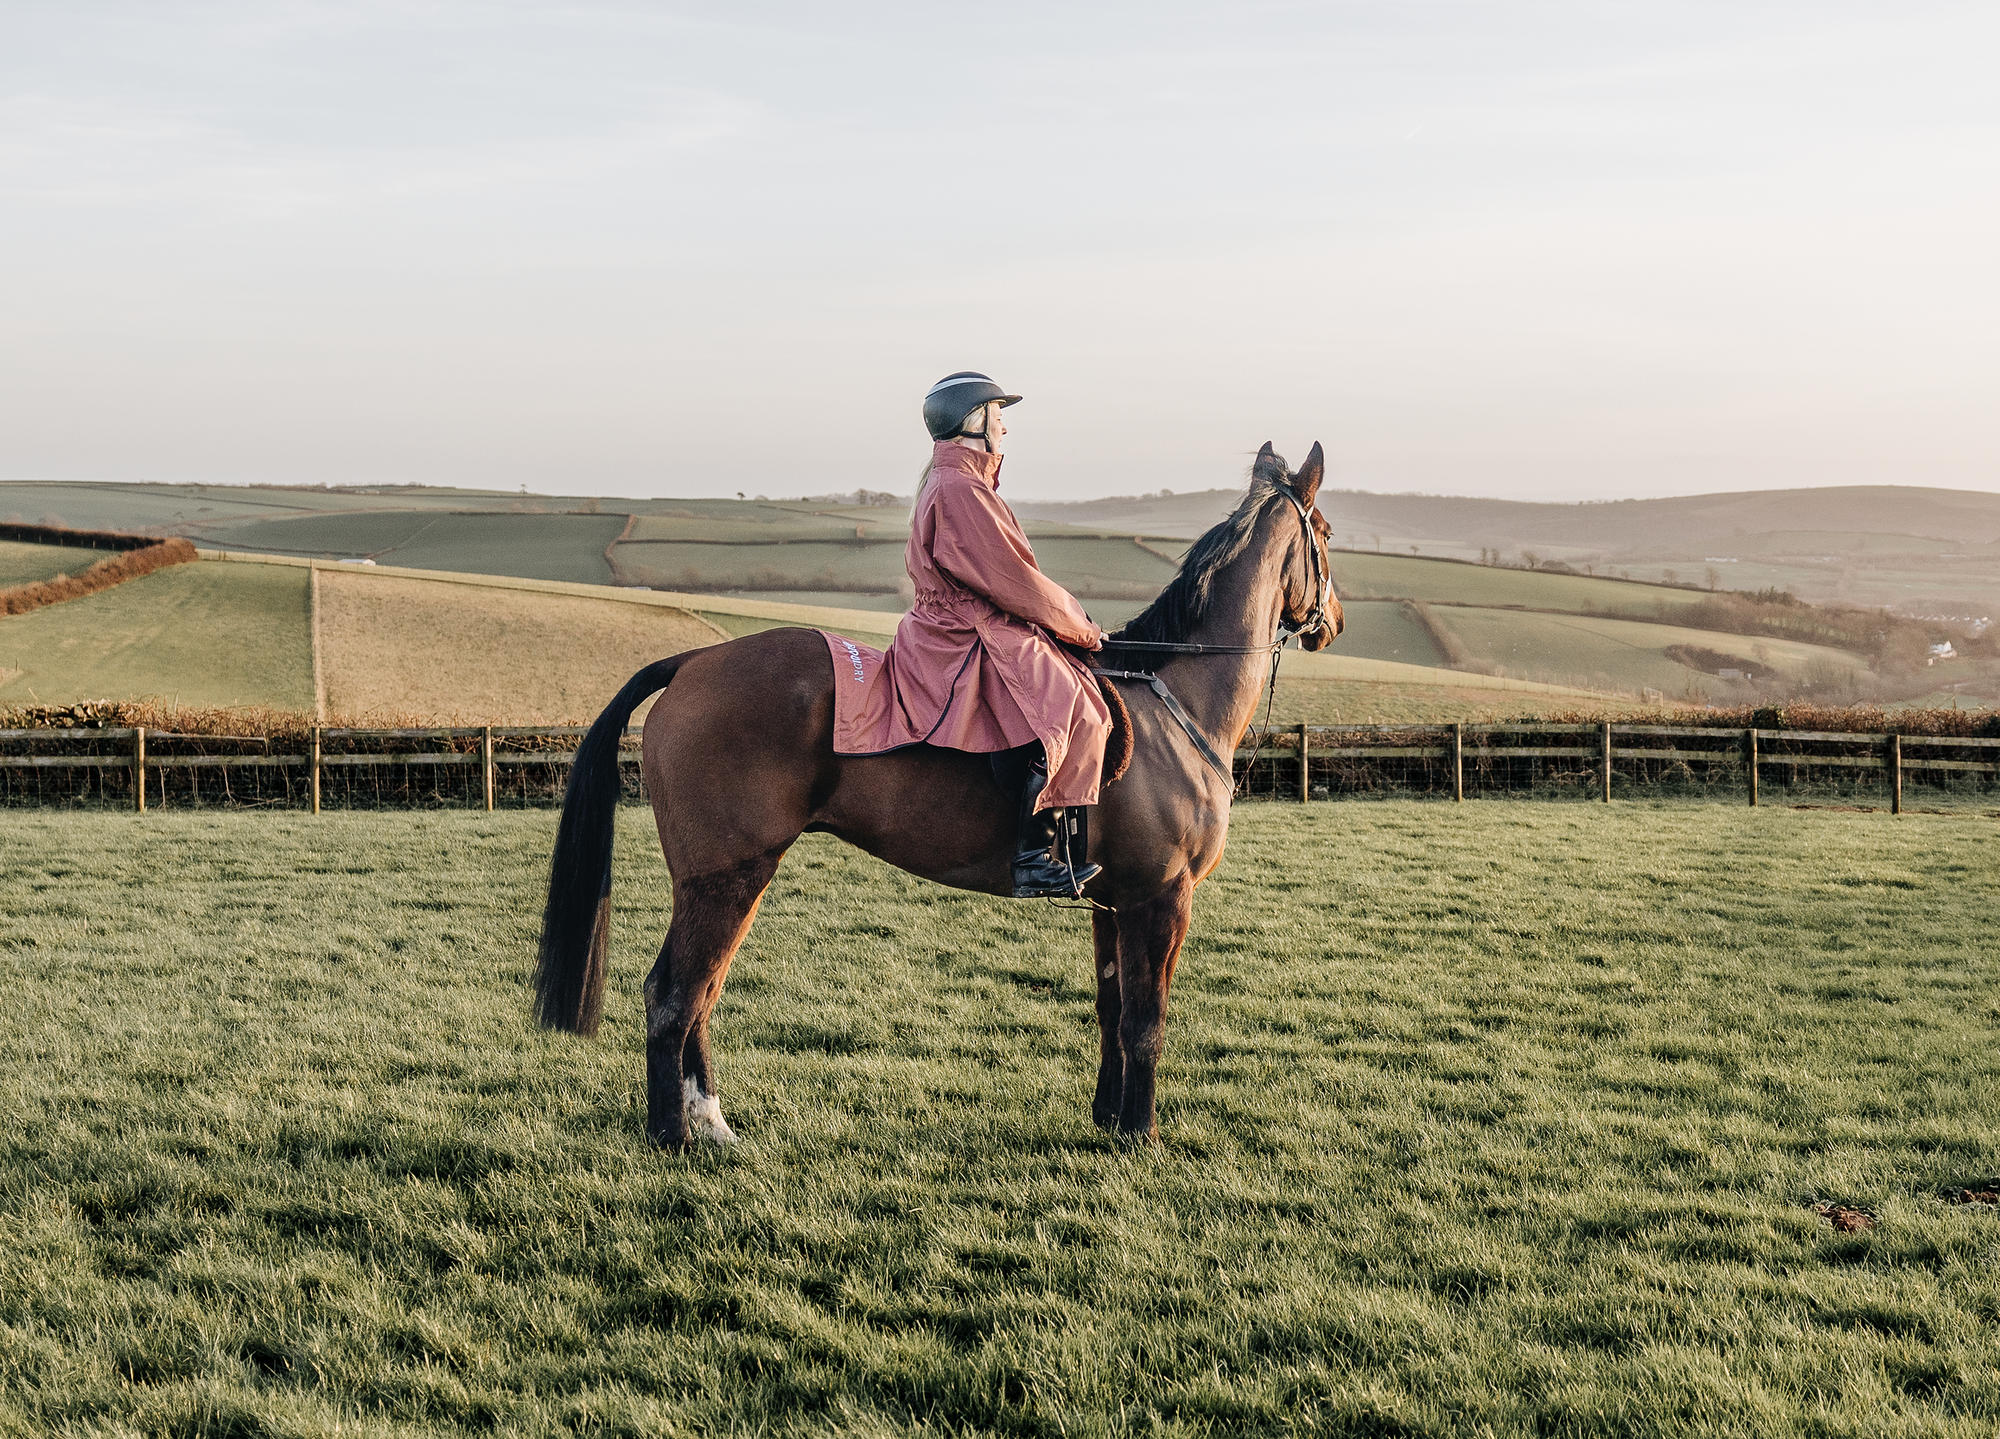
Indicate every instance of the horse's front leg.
{"type": "Point", "coordinates": [1110, 1053]}
{"type": "Point", "coordinates": [1149, 944]}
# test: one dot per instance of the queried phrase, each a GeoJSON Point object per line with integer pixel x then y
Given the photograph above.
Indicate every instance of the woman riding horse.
{"type": "Point", "coordinates": [975, 664]}
{"type": "Point", "coordinates": [742, 756]}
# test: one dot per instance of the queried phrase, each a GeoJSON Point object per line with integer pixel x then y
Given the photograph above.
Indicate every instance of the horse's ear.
{"type": "Point", "coordinates": [1268, 466]}
{"type": "Point", "coordinates": [1310, 474]}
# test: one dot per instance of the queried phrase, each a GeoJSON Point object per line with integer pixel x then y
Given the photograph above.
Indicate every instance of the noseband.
{"type": "Point", "coordinates": [1313, 623]}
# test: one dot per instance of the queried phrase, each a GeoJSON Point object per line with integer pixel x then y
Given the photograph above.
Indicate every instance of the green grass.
{"type": "Point", "coordinates": [1368, 576]}
{"type": "Point", "coordinates": [527, 546]}
{"type": "Point", "coordinates": [1385, 630]}
{"type": "Point", "coordinates": [1608, 654]}
{"type": "Point", "coordinates": [26, 564]}
{"type": "Point", "coordinates": [1334, 702]}
{"type": "Point", "coordinates": [205, 633]}
{"type": "Point", "coordinates": [1481, 1119]}
{"type": "Point", "coordinates": [817, 553]}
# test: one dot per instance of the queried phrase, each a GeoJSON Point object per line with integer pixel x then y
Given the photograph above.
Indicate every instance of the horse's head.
{"type": "Point", "coordinates": [1311, 607]}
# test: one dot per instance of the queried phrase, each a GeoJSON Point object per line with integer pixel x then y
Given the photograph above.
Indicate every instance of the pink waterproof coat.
{"type": "Point", "coordinates": [972, 666]}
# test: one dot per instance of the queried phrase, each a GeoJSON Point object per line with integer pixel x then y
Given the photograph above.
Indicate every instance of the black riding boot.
{"type": "Point", "coordinates": [1039, 874]}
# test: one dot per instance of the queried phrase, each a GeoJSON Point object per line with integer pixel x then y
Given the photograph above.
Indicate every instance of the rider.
{"type": "Point", "coordinates": [978, 647]}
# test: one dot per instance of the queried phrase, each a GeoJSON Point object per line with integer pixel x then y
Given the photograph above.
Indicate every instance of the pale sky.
{"type": "Point", "coordinates": [1532, 250]}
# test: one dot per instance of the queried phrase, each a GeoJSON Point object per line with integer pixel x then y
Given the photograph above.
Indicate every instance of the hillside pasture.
{"type": "Point", "coordinates": [27, 564]}
{"type": "Point", "coordinates": [1385, 630]}
{"type": "Point", "coordinates": [393, 646]}
{"type": "Point", "coordinates": [842, 553]}
{"type": "Point", "coordinates": [1627, 655]}
{"type": "Point", "coordinates": [829, 566]}
{"type": "Point", "coordinates": [206, 634]}
{"type": "Point", "coordinates": [1368, 576]}
{"type": "Point", "coordinates": [564, 547]}
{"type": "Point", "coordinates": [1476, 1119]}
{"type": "Point", "coordinates": [1432, 699]}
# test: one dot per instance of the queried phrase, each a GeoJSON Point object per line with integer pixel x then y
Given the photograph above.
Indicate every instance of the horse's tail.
{"type": "Point", "coordinates": [576, 923]}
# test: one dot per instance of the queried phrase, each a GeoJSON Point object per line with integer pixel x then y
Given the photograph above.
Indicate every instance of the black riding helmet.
{"type": "Point", "coordinates": [951, 402]}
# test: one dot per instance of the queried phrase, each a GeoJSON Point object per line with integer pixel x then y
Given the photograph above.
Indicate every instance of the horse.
{"type": "Point", "coordinates": [738, 762]}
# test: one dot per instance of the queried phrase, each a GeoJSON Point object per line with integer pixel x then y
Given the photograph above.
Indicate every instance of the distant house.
{"type": "Point", "coordinates": [1941, 652]}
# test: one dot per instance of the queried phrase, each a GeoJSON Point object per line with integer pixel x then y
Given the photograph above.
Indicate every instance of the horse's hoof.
{"type": "Point", "coordinates": [704, 1115]}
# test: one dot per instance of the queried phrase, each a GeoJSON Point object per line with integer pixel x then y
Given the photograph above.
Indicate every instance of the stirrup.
{"type": "Point", "coordinates": [1038, 876]}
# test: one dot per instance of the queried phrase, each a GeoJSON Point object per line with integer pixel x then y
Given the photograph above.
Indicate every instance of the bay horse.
{"type": "Point", "coordinates": [738, 761]}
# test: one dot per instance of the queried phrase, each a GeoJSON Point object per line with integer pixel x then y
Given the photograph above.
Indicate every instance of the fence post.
{"type": "Point", "coordinates": [1458, 762]}
{"type": "Point", "coordinates": [1607, 761]}
{"type": "Point", "coordinates": [139, 769]}
{"type": "Point", "coordinates": [1305, 767]}
{"type": "Point", "coordinates": [1895, 774]}
{"type": "Point", "coordinates": [1750, 748]}
{"type": "Point", "coordinates": [486, 764]}
{"type": "Point", "coordinates": [315, 769]}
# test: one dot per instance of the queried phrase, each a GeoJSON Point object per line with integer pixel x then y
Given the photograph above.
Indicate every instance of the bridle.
{"type": "Point", "coordinates": [1314, 622]}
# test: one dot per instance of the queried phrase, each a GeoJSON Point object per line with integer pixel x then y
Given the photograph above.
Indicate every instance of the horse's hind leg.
{"type": "Point", "coordinates": [712, 913]}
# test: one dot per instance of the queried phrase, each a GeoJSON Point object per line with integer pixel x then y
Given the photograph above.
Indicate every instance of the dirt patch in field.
{"type": "Point", "coordinates": [469, 654]}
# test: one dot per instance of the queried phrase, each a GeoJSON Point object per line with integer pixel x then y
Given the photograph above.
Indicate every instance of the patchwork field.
{"type": "Point", "coordinates": [1495, 1118]}
{"type": "Point", "coordinates": [1385, 630]}
{"type": "Point", "coordinates": [205, 634]}
{"type": "Point", "coordinates": [566, 548]}
{"type": "Point", "coordinates": [1607, 654]}
{"type": "Point", "coordinates": [26, 564]}
{"type": "Point", "coordinates": [453, 651]}
{"type": "Point", "coordinates": [1367, 576]}
{"type": "Point", "coordinates": [396, 643]}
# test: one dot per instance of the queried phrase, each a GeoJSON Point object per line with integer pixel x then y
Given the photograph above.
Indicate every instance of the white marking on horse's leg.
{"type": "Point", "coordinates": [1110, 971]}
{"type": "Point", "coordinates": [704, 1113]}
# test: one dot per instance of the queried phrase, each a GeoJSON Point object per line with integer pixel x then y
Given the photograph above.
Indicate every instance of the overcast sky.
{"type": "Point", "coordinates": [1534, 250]}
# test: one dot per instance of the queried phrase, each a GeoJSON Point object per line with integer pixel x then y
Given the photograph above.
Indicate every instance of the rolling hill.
{"type": "Point", "coordinates": [1922, 551]}
{"type": "Point", "coordinates": [383, 644]}
{"type": "Point", "coordinates": [848, 556]}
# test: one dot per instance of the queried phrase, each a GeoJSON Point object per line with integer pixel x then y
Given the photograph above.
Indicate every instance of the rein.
{"type": "Point", "coordinates": [1316, 620]}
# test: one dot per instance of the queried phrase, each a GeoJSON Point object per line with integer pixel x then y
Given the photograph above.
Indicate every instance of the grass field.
{"type": "Point", "coordinates": [1302, 699]}
{"type": "Point", "coordinates": [568, 548]}
{"type": "Point", "coordinates": [1366, 576]}
{"type": "Point", "coordinates": [26, 564]}
{"type": "Point", "coordinates": [1612, 654]}
{"type": "Point", "coordinates": [1498, 1118]}
{"type": "Point", "coordinates": [207, 634]}
{"type": "Point", "coordinates": [1385, 630]}
{"type": "Point", "coordinates": [395, 646]}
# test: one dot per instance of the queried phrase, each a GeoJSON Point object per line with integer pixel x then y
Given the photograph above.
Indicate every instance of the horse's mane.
{"type": "Point", "coordinates": [1172, 617]}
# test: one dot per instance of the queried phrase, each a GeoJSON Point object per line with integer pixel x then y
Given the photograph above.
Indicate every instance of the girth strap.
{"type": "Point", "coordinates": [1186, 721]}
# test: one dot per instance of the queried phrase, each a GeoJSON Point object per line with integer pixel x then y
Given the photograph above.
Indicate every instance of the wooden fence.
{"type": "Point", "coordinates": [1495, 753]}
{"type": "Point", "coordinates": [315, 761]}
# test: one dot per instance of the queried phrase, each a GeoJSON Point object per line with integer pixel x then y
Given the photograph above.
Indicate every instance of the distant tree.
{"type": "Point", "coordinates": [1378, 543]}
{"type": "Point", "coordinates": [1713, 576]}
{"type": "Point", "coordinates": [1670, 576]}
{"type": "Point", "coordinates": [1530, 559]}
